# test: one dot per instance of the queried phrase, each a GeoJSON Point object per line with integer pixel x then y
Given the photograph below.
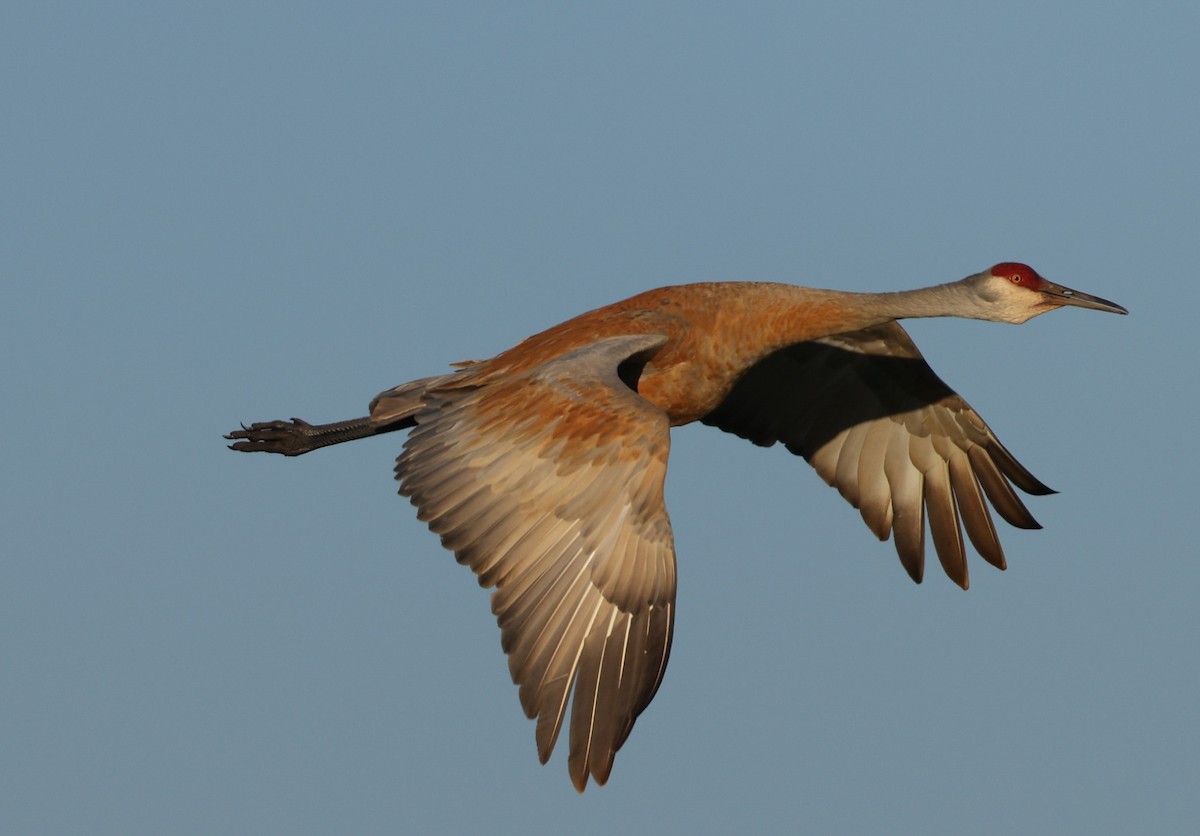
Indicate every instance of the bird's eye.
{"type": "Point", "coordinates": [1015, 279]}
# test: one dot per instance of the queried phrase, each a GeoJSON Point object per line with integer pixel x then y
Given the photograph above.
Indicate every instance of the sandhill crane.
{"type": "Point", "coordinates": [542, 468]}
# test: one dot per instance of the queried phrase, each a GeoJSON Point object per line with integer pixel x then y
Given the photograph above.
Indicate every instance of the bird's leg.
{"type": "Point", "coordinates": [295, 437]}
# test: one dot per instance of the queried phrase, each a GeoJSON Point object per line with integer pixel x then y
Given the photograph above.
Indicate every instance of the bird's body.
{"type": "Point", "coordinates": [542, 468]}
{"type": "Point", "coordinates": [714, 332]}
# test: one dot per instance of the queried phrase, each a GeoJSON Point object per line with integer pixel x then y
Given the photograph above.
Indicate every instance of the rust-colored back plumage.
{"type": "Point", "coordinates": [542, 468]}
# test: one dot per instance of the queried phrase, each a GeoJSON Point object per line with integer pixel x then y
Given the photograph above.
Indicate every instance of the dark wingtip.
{"type": "Point", "coordinates": [916, 572]}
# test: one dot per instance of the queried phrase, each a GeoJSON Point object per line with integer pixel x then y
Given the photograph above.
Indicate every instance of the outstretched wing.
{"type": "Point", "coordinates": [868, 413]}
{"type": "Point", "coordinates": [549, 485]}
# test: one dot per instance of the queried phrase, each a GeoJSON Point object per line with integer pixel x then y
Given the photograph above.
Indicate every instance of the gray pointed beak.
{"type": "Point", "coordinates": [1065, 296]}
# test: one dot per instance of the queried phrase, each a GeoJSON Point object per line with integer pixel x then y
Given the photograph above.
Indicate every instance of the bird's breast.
{"type": "Point", "coordinates": [686, 391]}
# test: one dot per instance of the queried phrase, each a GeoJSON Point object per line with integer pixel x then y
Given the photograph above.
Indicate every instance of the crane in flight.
{"type": "Point", "coordinates": [542, 468]}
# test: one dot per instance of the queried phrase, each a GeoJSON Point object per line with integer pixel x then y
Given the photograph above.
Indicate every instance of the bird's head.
{"type": "Point", "coordinates": [1014, 292]}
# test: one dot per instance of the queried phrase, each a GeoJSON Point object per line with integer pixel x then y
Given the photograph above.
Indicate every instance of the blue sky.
{"type": "Point", "coordinates": [231, 212]}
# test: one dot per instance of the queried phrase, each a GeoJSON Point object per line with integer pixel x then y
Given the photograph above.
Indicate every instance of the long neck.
{"type": "Point", "coordinates": [812, 314]}
{"type": "Point", "coordinates": [951, 299]}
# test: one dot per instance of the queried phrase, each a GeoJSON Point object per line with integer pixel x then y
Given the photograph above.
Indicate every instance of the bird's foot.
{"type": "Point", "coordinates": [290, 438]}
